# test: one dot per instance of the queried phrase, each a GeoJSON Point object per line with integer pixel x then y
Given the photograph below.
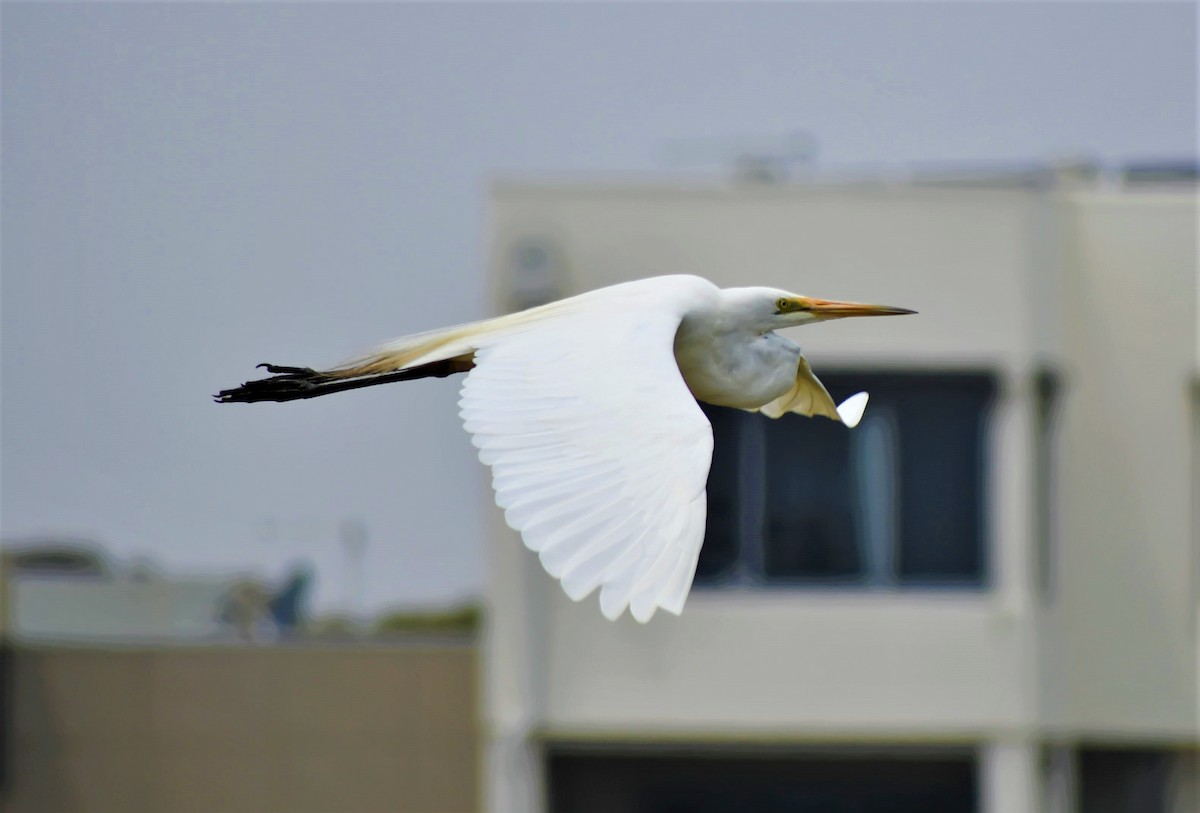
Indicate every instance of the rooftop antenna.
{"type": "Point", "coordinates": [353, 535]}
{"type": "Point", "coordinates": [763, 159]}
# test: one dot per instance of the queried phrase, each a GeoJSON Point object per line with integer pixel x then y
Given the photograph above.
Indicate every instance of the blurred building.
{"type": "Point", "coordinates": [69, 590]}
{"type": "Point", "coordinates": [150, 728]}
{"type": "Point", "coordinates": [983, 599]}
{"type": "Point", "coordinates": [124, 689]}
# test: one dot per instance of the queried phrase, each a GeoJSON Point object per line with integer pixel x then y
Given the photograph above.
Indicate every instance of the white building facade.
{"type": "Point", "coordinates": [984, 599]}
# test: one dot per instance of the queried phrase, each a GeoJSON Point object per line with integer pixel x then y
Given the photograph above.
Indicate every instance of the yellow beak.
{"type": "Point", "coordinates": [832, 309]}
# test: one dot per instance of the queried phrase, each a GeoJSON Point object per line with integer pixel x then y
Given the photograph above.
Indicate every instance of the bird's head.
{"type": "Point", "coordinates": [771, 308]}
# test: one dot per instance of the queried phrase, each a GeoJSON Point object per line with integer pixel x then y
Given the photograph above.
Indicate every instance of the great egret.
{"type": "Point", "coordinates": [585, 410]}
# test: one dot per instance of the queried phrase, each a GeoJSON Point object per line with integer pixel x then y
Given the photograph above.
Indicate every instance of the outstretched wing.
{"type": "Point", "coordinates": [599, 453]}
{"type": "Point", "coordinates": [809, 397]}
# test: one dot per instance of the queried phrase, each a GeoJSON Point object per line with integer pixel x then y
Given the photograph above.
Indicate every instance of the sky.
{"type": "Point", "coordinates": [191, 189]}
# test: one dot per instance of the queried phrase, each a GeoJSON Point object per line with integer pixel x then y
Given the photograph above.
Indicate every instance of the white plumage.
{"type": "Point", "coordinates": [586, 412]}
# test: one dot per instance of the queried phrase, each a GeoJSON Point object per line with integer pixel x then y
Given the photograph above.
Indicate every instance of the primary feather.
{"type": "Point", "coordinates": [599, 454]}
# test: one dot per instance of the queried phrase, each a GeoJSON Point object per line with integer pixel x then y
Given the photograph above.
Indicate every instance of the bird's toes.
{"type": "Point", "coordinates": [279, 369]}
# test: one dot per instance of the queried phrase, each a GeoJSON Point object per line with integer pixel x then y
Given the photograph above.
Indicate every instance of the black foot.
{"type": "Point", "coordinates": [285, 384]}
{"type": "Point", "coordinates": [293, 383]}
{"type": "Point", "coordinates": [276, 369]}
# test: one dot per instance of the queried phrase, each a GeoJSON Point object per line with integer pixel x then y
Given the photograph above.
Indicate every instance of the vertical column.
{"type": "Point", "coordinates": [1012, 517]}
{"type": "Point", "coordinates": [1014, 531]}
{"type": "Point", "coordinates": [513, 781]}
{"type": "Point", "coordinates": [513, 776]}
{"type": "Point", "coordinates": [1061, 781]}
{"type": "Point", "coordinates": [1009, 778]}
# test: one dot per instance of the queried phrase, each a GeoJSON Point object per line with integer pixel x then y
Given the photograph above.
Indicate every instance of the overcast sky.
{"type": "Point", "coordinates": [188, 190]}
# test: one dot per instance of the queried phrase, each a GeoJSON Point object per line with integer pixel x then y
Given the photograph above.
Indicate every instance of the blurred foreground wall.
{"type": "Point", "coordinates": [225, 728]}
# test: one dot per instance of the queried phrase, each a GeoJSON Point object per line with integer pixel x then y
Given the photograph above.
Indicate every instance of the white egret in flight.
{"type": "Point", "coordinates": [585, 410]}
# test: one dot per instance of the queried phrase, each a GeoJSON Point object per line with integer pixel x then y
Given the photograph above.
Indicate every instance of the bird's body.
{"type": "Point", "coordinates": [737, 367]}
{"type": "Point", "coordinates": [585, 410]}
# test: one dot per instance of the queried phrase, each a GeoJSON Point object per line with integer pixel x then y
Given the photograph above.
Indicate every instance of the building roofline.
{"type": "Point", "coordinates": [1174, 174]}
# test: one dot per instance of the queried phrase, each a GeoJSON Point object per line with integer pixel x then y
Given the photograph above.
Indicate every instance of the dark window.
{"type": "Point", "coordinates": [810, 516]}
{"type": "Point", "coordinates": [898, 501]}
{"type": "Point", "coordinates": [809, 783]}
{"type": "Point", "coordinates": [720, 553]}
{"type": "Point", "coordinates": [1124, 781]}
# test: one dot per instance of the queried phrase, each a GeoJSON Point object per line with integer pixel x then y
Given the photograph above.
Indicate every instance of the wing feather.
{"type": "Point", "coordinates": [599, 453]}
{"type": "Point", "coordinates": [809, 397]}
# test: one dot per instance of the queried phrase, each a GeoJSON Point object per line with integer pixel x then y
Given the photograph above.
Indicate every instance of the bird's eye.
{"type": "Point", "coordinates": [781, 305]}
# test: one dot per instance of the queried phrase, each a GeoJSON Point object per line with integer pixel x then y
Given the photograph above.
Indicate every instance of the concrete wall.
{"type": "Point", "coordinates": [86, 609]}
{"type": "Point", "coordinates": [789, 667]}
{"type": "Point", "coordinates": [277, 728]}
{"type": "Point", "coordinates": [1128, 548]}
{"type": "Point", "coordinates": [962, 257]}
